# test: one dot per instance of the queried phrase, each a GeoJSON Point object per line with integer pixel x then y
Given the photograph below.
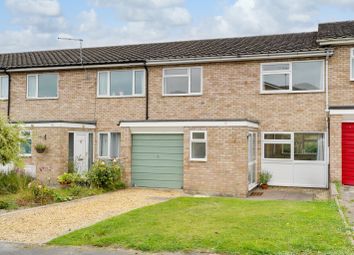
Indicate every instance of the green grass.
{"type": "Point", "coordinates": [222, 225]}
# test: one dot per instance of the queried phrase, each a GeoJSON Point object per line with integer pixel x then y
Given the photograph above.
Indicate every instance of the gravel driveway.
{"type": "Point", "coordinates": [41, 224]}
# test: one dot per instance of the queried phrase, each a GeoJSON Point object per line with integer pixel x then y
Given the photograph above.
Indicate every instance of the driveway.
{"type": "Point", "coordinates": [41, 224]}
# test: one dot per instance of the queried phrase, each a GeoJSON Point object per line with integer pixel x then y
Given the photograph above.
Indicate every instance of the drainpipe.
{"type": "Point", "coordinates": [9, 92]}
{"type": "Point", "coordinates": [327, 118]}
{"type": "Point", "coordinates": [146, 91]}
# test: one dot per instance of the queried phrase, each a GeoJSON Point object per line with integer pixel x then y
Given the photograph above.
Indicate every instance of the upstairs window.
{"type": "Point", "coordinates": [121, 83]}
{"type": "Point", "coordinates": [4, 87]}
{"type": "Point", "coordinates": [182, 81]}
{"type": "Point", "coordinates": [42, 86]}
{"type": "Point", "coordinates": [298, 76]}
{"type": "Point", "coordinates": [352, 64]}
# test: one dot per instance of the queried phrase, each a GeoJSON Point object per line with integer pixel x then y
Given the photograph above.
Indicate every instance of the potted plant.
{"type": "Point", "coordinates": [264, 178]}
{"type": "Point", "coordinates": [40, 147]}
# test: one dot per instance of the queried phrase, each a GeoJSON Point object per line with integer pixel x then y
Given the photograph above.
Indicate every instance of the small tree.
{"type": "Point", "coordinates": [10, 140]}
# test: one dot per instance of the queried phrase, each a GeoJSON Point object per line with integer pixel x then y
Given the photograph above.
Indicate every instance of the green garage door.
{"type": "Point", "coordinates": [157, 160]}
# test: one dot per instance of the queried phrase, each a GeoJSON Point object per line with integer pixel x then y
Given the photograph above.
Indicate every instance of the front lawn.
{"type": "Point", "coordinates": [222, 225]}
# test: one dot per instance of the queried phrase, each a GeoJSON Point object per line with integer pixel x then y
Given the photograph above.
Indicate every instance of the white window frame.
{"type": "Point", "coordinates": [27, 155]}
{"type": "Point", "coordinates": [192, 140]}
{"type": "Point", "coordinates": [351, 78]}
{"type": "Point", "coordinates": [182, 75]}
{"type": "Point", "coordinates": [291, 141]}
{"type": "Point", "coordinates": [107, 95]}
{"type": "Point", "coordinates": [109, 145]}
{"type": "Point", "coordinates": [290, 72]}
{"type": "Point", "coordinates": [7, 97]}
{"type": "Point", "coordinates": [37, 83]}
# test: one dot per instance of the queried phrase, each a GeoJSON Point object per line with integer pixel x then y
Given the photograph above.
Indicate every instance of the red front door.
{"type": "Point", "coordinates": [348, 153]}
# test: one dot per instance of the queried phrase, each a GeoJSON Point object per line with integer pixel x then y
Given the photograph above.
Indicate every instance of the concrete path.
{"type": "Point", "coordinates": [22, 249]}
{"type": "Point", "coordinates": [41, 224]}
{"type": "Point", "coordinates": [347, 200]}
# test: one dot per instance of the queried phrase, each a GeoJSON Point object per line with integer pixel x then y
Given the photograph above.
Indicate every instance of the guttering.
{"type": "Point", "coordinates": [188, 123]}
{"type": "Point", "coordinates": [321, 53]}
{"type": "Point", "coordinates": [335, 41]}
{"type": "Point", "coordinates": [71, 67]}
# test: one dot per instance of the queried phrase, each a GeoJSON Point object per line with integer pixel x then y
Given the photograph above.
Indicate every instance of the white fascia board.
{"type": "Point", "coordinates": [341, 41]}
{"type": "Point", "coordinates": [59, 125]}
{"type": "Point", "coordinates": [189, 124]}
{"type": "Point", "coordinates": [341, 112]}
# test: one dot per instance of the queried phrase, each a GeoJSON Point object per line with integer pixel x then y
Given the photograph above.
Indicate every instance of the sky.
{"type": "Point", "coordinates": [27, 25]}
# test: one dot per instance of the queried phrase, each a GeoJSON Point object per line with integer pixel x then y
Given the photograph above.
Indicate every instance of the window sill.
{"type": "Point", "coordinates": [41, 98]}
{"type": "Point", "coordinates": [182, 95]}
{"type": "Point", "coordinates": [26, 155]}
{"type": "Point", "coordinates": [291, 92]}
{"type": "Point", "coordinates": [115, 97]}
{"type": "Point", "coordinates": [3, 99]}
{"type": "Point", "coordinates": [198, 160]}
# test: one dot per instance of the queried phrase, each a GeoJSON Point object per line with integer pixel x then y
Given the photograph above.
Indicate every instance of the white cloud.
{"type": "Point", "coordinates": [36, 7]}
{"type": "Point", "coordinates": [39, 22]}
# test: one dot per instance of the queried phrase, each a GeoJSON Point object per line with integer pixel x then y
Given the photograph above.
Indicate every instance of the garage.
{"type": "Point", "coordinates": [348, 153]}
{"type": "Point", "coordinates": [157, 160]}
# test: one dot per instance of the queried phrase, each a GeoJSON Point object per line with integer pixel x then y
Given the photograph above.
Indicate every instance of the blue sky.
{"type": "Point", "coordinates": [35, 24]}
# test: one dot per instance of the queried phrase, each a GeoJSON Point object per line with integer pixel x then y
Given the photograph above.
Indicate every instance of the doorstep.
{"type": "Point", "coordinates": [284, 193]}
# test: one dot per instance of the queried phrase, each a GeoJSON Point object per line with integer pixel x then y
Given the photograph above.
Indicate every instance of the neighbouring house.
{"type": "Point", "coordinates": [206, 116]}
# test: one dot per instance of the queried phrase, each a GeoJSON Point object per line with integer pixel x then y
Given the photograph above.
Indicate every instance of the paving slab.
{"type": "Point", "coordinates": [281, 195]}
{"type": "Point", "coordinates": [347, 200]}
{"type": "Point", "coordinates": [41, 224]}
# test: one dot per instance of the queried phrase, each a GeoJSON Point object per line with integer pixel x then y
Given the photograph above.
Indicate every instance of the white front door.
{"type": "Point", "coordinates": [81, 151]}
{"type": "Point", "coordinates": [252, 159]}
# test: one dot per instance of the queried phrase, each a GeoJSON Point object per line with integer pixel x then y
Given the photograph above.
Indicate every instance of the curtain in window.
{"type": "Point", "coordinates": [103, 144]}
{"type": "Point", "coordinates": [115, 140]}
{"type": "Point", "coordinates": [320, 149]}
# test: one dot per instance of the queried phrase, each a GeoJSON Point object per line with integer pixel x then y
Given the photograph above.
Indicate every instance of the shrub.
{"type": "Point", "coordinates": [62, 198]}
{"type": "Point", "coordinates": [72, 179]}
{"type": "Point", "coordinates": [4, 204]}
{"type": "Point", "coordinates": [265, 177]}
{"type": "Point", "coordinates": [13, 182]}
{"type": "Point", "coordinates": [106, 175]}
{"type": "Point", "coordinates": [41, 193]}
{"type": "Point", "coordinates": [10, 138]}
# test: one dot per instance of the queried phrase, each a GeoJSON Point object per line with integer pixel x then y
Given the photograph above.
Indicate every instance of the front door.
{"type": "Point", "coordinates": [348, 153]}
{"type": "Point", "coordinates": [81, 152]}
{"type": "Point", "coordinates": [252, 159]}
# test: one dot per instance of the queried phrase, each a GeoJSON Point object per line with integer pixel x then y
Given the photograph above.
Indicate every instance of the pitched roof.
{"type": "Point", "coordinates": [268, 44]}
{"type": "Point", "coordinates": [336, 30]}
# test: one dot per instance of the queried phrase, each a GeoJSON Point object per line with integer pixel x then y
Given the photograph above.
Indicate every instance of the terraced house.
{"type": "Point", "coordinates": [206, 116]}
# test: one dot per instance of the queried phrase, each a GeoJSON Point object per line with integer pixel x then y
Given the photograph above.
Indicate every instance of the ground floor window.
{"type": "Point", "coordinates": [293, 146]}
{"type": "Point", "coordinates": [108, 144]}
{"type": "Point", "coordinates": [26, 145]}
{"type": "Point", "coordinates": [198, 145]}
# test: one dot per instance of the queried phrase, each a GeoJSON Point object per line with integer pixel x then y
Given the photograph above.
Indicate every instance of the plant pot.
{"type": "Point", "coordinates": [264, 186]}
{"type": "Point", "coordinates": [40, 150]}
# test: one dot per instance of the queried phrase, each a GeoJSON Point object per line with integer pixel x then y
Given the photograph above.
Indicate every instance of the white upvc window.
{"type": "Point", "coordinates": [26, 145]}
{"type": "Point", "coordinates": [122, 83]}
{"type": "Point", "coordinates": [297, 146]}
{"type": "Point", "coordinates": [352, 64]}
{"type": "Point", "coordinates": [108, 145]}
{"type": "Point", "coordinates": [42, 86]}
{"type": "Point", "coordinates": [198, 146]}
{"type": "Point", "coordinates": [4, 87]}
{"type": "Point", "coordinates": [292, 77]}
{"type": "Point", "coordinates": [182, 81]}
